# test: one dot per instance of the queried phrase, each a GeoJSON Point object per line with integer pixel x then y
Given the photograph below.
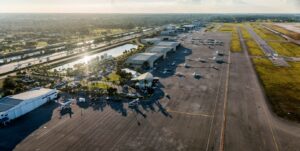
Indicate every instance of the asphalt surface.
{"type": "Point", "coordinates": [250, 123]}
{"type": "Point", "coordinates": [224, 109]}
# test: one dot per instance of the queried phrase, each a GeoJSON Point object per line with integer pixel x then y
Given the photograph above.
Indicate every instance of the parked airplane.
{"type": "Point", "coordinates": [66, 105]}
{"type": "Point", "coordinates": [179, 74]}
{"type": "Point", "coordinates": [213, 58]}
{"type": "Point", "coordinates": [134, 103]}
{"type": "Point", "coordinates": [197, 76]}
{"type": "Point", "coordinates": [186, 65]}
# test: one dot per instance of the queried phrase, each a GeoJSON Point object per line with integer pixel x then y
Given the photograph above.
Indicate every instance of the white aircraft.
{"type": "Point", "coordinates": [213, 58]}
{"type": "Point", "coordinates": [186, 65]}
{"type": "Point", "coordinates": [134, 103]}
{"type": "Point", "coordinates": [201, 60]}
{"type": "Point", "coordinates": [179, 74]}
{"type": "Point", "coordinates": [196, 75]}
{"type": "Point", "coordinates": [174, 63]}
{"type": "Point", "coordinates": [66, 105]}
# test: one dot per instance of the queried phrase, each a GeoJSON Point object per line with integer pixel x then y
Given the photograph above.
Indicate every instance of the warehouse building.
{"type": "Point", "coordinates": [151, 40]}
{"type": "Point", "coordinates": [189, 27]}
{"type": "Point", "coordinates": [160, 49]}
{"type": "Point", "coordinates": [168, 33]}
{"type": "Point", "coordinates": [12, 107]}
{"type": "Point", "coordinates": [143, 60]}
{"type": "Point", "coordinates": [173, 45]}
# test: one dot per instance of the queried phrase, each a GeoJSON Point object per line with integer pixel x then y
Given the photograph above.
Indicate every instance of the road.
{"type": "Point", "coordinates": [7, 68]}
{"type": "Point", "coordinates": [269, 52]}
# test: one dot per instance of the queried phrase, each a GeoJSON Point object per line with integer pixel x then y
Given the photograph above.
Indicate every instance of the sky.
{"type": "Point", "coordinates": [149, 6]}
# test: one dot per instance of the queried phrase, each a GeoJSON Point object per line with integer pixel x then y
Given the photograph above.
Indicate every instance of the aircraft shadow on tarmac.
{"type": "Point", "coordinates": [17, 130]}
{"type": "Point", "coordinates": [119, 105]}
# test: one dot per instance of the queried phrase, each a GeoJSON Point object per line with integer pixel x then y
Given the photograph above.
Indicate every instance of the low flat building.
{"type": "Point", "coordinates": [151, 40]}
{"type": "Point", "coordinates": [144, 81]}
{"type": "Point", "coordinates": [12, 107]}
{"type": "Point", "coordinates": [143, 60]}
{"type": "Point", "coordinates": [189, 27]}
{"type": "Point", "coordinates": [160, 49]}
{"type": "Point", "coordinates": [132, 72]}
{"type": "Point", "coordinates": [168, 33]}
{"type": "Point", "coordinates": [173, 45]}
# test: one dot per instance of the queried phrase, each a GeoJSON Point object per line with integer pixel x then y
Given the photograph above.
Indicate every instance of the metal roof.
{"type": "Point", "coordinates": [10, 101]}
{"type": "Point", "coordinates": [168, 44]}
{"type": "Point", "coordinates": [159, 49]}
{"type": "Point", "coordinates": [7, 102]}
{"type": "Point", "coordinates": [31, 94]}
{"type": "Point", "coordinates": [142, 57]}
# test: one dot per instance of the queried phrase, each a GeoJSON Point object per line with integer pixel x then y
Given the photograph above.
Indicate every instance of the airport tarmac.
{"type": "Point", "coordinates": [224, 109]}
{"type": "Point", "coordinates": [189, 120]}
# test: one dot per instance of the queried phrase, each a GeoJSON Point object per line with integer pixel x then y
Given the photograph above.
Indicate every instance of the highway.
{"type": "Point", "coordinates": [8, 68]}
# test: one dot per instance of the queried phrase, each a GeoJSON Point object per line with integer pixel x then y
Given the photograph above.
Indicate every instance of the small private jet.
{"type": "Point", "coordinates": [179, 74]}
{"type": "Point", "coordinates": [66, 105]}
{"type": "Point", "coordinates": [186, 65]}
{"type": "Point", "coordinates": [195, 75]}
{"type": "Point", "coordinates": [134, 103]}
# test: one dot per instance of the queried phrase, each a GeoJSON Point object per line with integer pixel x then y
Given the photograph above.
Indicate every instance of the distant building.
{"type": "Point", "coordinates": [143, 60]}
{"type": "Point", "coordinates": [197, 23]}
{"type": "Point", "coordinates": [188, 27]}
{"type": "Point", "coordinates": [170, 27]}
{"type": "Point", "coordinates": [168, 32]}
{"type": "Point", "coordinates": [150, 40]}
{"type": "Point", "coordinates": [12, 107]}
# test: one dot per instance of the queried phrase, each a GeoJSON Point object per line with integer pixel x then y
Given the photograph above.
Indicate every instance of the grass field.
{"type": "Point", "coordinates": [282, 86]}
{"type": "Point", "coordinates": [283, 48]}
{"type": "Point", "coordinates": [252, 46]}
{"type": "Point", "coordinates": [235, 41]}
{"type": "Point", "coordinates": [266, 34]}
{"type": "Point", "coordinates": [98, 85]}
{"type": "Point", "coordinates": [282, 30]}
{"type": "Point", "coordinates": [112, 31]}
{"type": "Point", "coordinates": [42, 44]}
{"type": "Point", "coordinates": [286, 49]}
{"type": "Point", "coordinates": [113, 77]}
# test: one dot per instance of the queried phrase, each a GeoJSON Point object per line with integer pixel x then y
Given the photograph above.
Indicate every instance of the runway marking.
{"type": "Point", "coordinates": [189, 113]}
{"type": "Point", "coordinates": [264, 109]}
{"type": "Point", "coordinates": [222, 139]}
{"type": "Point", "coordinates": [215, 107]}
{"type": "Point", "coordinates": [271, 128]}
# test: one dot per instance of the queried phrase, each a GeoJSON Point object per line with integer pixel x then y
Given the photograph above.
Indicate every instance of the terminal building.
{"type": "Point", "coordinates": [160, 49]}
{"type": "Point", "coordinates": [12, 107]}
{"type": "Point", "coordinates": [172, 44]}
{"type": "Point", "coordinates": [189, 27]}
{"type": "Point", "coordinates": [143, 60]}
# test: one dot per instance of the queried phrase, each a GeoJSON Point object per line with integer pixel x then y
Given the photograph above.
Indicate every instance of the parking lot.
{"type": "Point", "coordinates": [191, 119]}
